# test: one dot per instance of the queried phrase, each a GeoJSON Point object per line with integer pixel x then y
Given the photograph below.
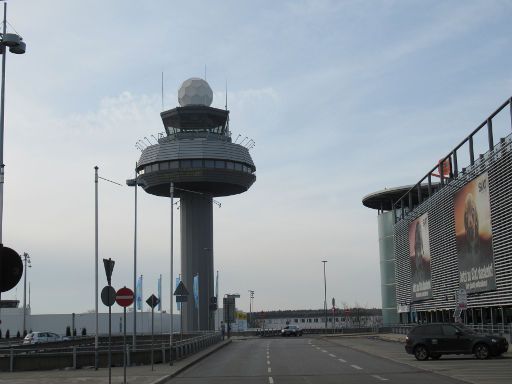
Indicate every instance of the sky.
{"type": "Point", "coordinates": [343, 98]}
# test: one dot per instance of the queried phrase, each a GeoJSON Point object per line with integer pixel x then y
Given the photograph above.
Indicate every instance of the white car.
{"type": "Point", "coordinates": [42, 337]}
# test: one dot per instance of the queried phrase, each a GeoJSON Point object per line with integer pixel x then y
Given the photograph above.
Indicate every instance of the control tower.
{"type": "Point", "coordinates": [198, 156]}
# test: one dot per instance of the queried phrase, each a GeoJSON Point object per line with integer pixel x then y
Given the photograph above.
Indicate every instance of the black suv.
{"type": "Point", "coordinates": [434, 340]}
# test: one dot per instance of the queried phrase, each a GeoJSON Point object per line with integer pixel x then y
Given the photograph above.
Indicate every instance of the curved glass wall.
{"type": "Point", "coordinates": [387, 268]}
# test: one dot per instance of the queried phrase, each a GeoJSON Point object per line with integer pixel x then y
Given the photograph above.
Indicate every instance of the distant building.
{"type": "Point", "coordinates": [340, 318]}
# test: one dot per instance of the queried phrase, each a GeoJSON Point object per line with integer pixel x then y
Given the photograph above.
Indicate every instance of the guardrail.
{"type": "Point", "coordinates": [272, 332]}
{"type": "Point", "coordinates": [48, 356]}
{"type": "Point", "coordinates": [489, 329]}
{"type": "Point", "coordinates": [449, 167]}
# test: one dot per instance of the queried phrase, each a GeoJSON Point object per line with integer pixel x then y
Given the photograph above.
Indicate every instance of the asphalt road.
{"type": "Point", "coordinates": [302, 360]}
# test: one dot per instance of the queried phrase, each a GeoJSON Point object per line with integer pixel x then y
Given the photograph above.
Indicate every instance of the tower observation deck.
{"type": "Point", "coordinates": [199, 157]}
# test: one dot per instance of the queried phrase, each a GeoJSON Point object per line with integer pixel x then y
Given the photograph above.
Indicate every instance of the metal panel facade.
{"type": "Point", "coordinates": [440, 208]}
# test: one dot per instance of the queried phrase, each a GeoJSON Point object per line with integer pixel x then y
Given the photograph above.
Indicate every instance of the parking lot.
{"type": "Point", "coordinates": [466, 368]}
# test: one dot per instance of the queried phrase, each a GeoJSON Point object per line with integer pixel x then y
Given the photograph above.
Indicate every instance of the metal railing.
{"type": "Point", "coordinates": [405, 202]}
{"type": "Point", "coordinates": [50, 356]}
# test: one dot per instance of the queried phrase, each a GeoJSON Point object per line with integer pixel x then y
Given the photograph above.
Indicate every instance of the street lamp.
{"type": "Point", "coordinates": [96, 179]}
{"type": "Point", "coordinates": [251, 297]}
{"type": "Point", "coordinates": [26, 258]}
{"type": "Point", "coordinates": [16, 45]}
{"type": "Point", "coordinates": [134, 183]}
{"type": "Point", "coordinates": [325, 294]}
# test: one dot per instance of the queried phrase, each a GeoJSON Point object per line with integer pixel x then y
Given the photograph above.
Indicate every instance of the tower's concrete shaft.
{"type": "Point", "coordinates": [196, 218]}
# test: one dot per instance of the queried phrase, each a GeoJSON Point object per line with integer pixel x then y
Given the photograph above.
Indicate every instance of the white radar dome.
{"type": "Point", "coordinates": [195, 91]}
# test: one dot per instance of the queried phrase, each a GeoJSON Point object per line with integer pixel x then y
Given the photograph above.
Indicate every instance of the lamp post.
{"type": "Point", "coordinates": [17, 46]}
{"type": "Point", "coordinates": [325, 294]}
{"type": "Point", "coordinates": [251, 297]}
{"type": "Point", "coordinates": [96, 179]}
{"type": "Point", "coordinates": [171, 295]}
{"type": "Point", "coordinates": [133, 183]}
{"type": "Point", "coordinates": [26, 258]}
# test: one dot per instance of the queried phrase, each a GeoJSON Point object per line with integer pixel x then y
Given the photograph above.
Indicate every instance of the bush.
{"type": "Point", "coordinates": [25, 333]}
{"type": "Point", "coordinates": [84, 332]}
{"type": "Point", "coordinates": [18, 335]}
{"type": "Point", "coordinates": [7, 334]}
{"type": "Point", "coordinates": [0, 333]}
{"type": "Point", "coordinates": [68, 331]}
{"type": "Point", "coordinates": [74, 331]}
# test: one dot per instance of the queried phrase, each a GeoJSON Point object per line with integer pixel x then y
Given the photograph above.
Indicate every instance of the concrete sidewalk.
{"type": "Point", "coordinates": [139, 374]}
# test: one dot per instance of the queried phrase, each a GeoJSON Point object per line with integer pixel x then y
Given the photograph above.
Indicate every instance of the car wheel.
{"type": "Point", "coordinates": [481, 351]}
{"type": "Point", "coordinates": [435, 356]}
{"type": "Point", "coordinates": [420, 353]}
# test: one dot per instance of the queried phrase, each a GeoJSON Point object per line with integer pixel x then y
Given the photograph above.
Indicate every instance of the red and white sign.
{"type": "Point", "coordinates": [124, 297]}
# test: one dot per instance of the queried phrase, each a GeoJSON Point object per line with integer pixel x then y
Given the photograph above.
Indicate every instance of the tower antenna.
{"type": "Point", "coordinates": [162, 90]}
{"type": "Point", "coordinates": [226, 94]}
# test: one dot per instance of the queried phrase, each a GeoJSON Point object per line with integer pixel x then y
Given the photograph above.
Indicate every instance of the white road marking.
{"type": "Point", "coordinates": [268, 362]}
{"type": "Point", "coordinates": [324, 351]}
{"type": "Point", "coordinates": [330, 354]}
{"type": "Point", "coordinates": [356, 366]}
{"type": "Point", "coordinates": [343, 361]}
{"type": "Point", "coordinates": [379, 378]}
{"type": "Point", "coordinates": [269, 369]}
{"type": "Point", "coordinates": [270, 380]}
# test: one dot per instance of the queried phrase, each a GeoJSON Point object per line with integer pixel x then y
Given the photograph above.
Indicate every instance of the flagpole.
{"type": "Point", "coordinates": [160, 305]}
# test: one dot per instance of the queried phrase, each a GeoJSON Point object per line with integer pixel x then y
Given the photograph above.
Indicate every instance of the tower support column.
{"type": "Point", "coordinates": [196, 221]}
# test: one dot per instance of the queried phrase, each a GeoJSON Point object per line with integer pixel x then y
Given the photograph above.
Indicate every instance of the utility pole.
{"type": "Point", "coordinates": [325, 294]}
{"type": "Point", "coordinates": [26, 258]}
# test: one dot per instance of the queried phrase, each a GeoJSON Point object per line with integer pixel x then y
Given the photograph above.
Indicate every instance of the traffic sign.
{"type": "Point", "coordinates": [11, 268]}
{"type": "Point", "coordinates": [462, 299]}
{"type": "Point", "coordinates": [108, 295]}
{"type": "Point", "coordinates": [152, 301]}
{"type": "Point", "coordinates": [181, 290]}
{"type": "Point", "coordinates": [109, 268]}
{"type": "Point", "coordinates": [181, 299]}
{"type": "Point", "coordinates": [229, 309]}
{"type": "Point", "coordinates": [124, 297]}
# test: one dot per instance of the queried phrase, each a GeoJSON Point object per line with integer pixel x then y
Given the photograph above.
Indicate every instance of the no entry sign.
{"type": "Point", "coordinates": [124, 297]}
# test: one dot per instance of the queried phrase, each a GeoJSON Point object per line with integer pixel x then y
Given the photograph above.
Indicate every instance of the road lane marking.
{"type": "Point", "coordinates": [379, 378]}
{"type": "Point", "coordinates": [268, 362]}
{"type": "Point", "coordinates": [343, 361]}
{"type": "Point", "coordinates": [270, 380]}
{"type": "Point", "coordinates": [324, 351]}
{"type": "Point", "coordinates": [356, 366]}
{"type": "Point", "coordinates": [330, 354]}
{"type": "Point", "coordinates": [269, 369]}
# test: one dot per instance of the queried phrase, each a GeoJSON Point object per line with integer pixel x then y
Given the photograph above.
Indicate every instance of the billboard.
{"type": "Point", "coordinates": [419, 255]}
{"type": "Point", "coordinates": [474, 236]}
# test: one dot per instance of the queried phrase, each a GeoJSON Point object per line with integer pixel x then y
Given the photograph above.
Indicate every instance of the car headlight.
{"type": "Point", "coordinates": [494, 340]}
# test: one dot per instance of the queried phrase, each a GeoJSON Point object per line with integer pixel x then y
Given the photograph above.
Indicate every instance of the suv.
{"type": "Point", "coordinates": [291, 330]}
{"type": "Point", "coordinates": [42, 337]}
{"type": "Point", "coordinates": [435, 340]}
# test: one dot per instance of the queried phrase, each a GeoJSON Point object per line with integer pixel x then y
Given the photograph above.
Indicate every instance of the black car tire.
{"type": "Point", "coordinates": [481, 351]}
{"type": "Point", "coordinates": [435, 356]}
{"type": "Point", "coordinates": [420, 353]}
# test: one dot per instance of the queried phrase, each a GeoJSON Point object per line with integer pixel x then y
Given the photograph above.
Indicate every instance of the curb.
{"type": "Point", "coordinates": [166, 378]}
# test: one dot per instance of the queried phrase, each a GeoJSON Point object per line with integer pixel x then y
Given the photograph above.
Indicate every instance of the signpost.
{"type": "Point", "coordinates": [462, 303]}
{"type": "Point", "coordinates": [110, 297]}
{"type": "Point", "coordinates": [153, 301]}
{"type": "Point", "coordinates": [181, 294]}
{"type": "Point", "coordinates": [229, 310]}
{"type": "Point", "coordinates": [124, 297]}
